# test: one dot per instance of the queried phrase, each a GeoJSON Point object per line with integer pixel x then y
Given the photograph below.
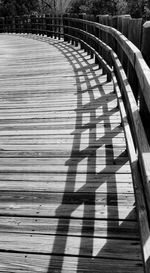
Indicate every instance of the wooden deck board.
{"type": "Point", "coordinates": [26, 262]}
{"type": "Point", "coordinates": [66, 194]}
{"type": "Point", "coordinates": [48, 226]}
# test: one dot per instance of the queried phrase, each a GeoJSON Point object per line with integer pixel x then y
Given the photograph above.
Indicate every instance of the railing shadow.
{"type": "Point", "coordinates": [99, 113]}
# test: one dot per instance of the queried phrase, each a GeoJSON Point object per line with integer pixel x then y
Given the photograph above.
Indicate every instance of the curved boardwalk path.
{"type": "Point", "coordinates": [66, 194]}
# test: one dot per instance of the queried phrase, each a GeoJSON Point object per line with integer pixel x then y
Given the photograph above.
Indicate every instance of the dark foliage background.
{"type": "Point", "coordinates": [137, 8]}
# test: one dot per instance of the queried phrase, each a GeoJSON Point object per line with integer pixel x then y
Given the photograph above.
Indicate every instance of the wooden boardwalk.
{"type": "Point", "coordinates": [66, 194]}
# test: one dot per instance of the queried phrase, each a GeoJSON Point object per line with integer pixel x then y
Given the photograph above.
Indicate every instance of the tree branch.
{"type": "Point", "coordinates": [47, 4]}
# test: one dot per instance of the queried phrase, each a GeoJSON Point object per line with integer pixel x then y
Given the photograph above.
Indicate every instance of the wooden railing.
{"type": "Point", "coordinates": [123, 63]}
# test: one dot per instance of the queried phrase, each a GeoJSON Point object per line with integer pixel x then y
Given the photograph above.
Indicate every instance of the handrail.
{"type": "Point", "coordinates": [118, 57]}
{"type": "Point", "coordinates": [133, 53]}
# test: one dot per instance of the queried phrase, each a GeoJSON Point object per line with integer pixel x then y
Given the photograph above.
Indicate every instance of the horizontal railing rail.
{"type": "Point", "coordinates": [123, 63]}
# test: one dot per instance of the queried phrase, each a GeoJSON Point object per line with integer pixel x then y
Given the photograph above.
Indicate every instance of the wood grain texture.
{"type": "Point", "coordinates": [19, 262]}
{"type": "Point", "coordinates": [66, 194]}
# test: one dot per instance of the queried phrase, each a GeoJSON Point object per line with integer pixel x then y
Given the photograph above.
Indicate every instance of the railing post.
{"type": "Point", "coordinates": [1, 24]}
{"type": "Point", "coordinates": [81, 16]}
{"type": "Point", "coordinates": [88, 28]}
{"type": "Point", "coordinates": [28, 24]}
{"type": "Point", "coordinates": [122, 25]}
{"type": "Point", "coordinates": [146, 42]}
{"type": "Point", "coordinates": [145, 115]}
{"type": "Point", "coordinates": [37, 25]}
{"type": "Point", "coordinates": [75, 33]}
{"type": "Point", "coordinates": [33, 24]}
{"type": "Point", "coordinates": [40, 24]}
{"type": "Point", "coordinates": [125, 26]}
{"type": "Point", "coordinates": [51, 26]}
{"type": "Point", "coordinates": [104, 20]}
{"type": "Point", "coordinates": [20, 24]}
{"type": "Point", "coordinates": [25, 24]}
{"type": "Point", "coordinates": [135, 31]}
{"type": "Point", "coordinates": [43, 25]}
{"type": "Point", "coordinates": [16, 24]}
{"type": "Point", "coordinates": [55, 26]}
{"type": "Point", "coordinates": [65, 23]}
{"type": "Point", "coordinates": [97, 30]}
{"type": "Point", "coordinates": [134, 35]}
{"type": "Point", "coordinates": [93, 31]}
{"type": "Point", "coordinates": [59, 27]}
{"type": "Point", "coordinates": [47, 24]}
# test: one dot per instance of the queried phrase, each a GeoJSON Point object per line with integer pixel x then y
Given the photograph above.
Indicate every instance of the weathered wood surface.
{"type": "Point", "coordinates": [66, 195]}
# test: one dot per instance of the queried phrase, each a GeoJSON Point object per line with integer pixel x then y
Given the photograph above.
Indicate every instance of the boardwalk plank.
{"type": "Point", "coordinates": [56, 186]}
{"type": "Point", "coordinates": [77, 198]}
{"type": "Point", "coordinates": [63, 169]}
{"type": "Point", "coordinates": [35, 243]}
{"type": "Point", "coordinates": [18, 262]}
{"type": "Point", "coordinates": [71, 211]}
{"type": "Point", "coordinates": [127, 230]}
{"type": "Point", "coordinates": [55, 177]}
